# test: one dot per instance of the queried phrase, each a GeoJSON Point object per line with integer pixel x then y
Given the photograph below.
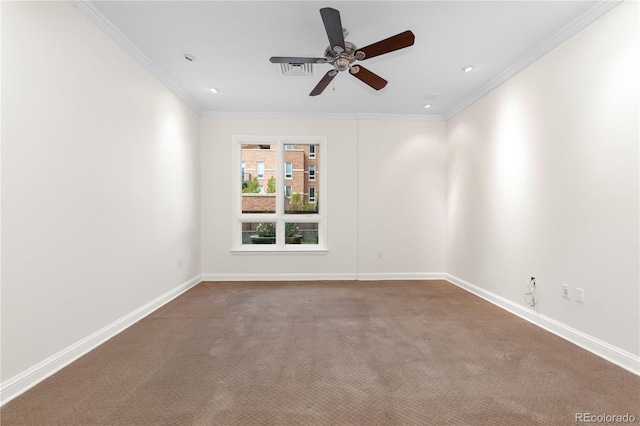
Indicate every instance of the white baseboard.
{"type": "Point", "coordinates": [24, 381]}
{"type": "Point", "coordinates": [278, 277]}
{"type": "Point", "coordinates": [620, 357]}
{"type": "Point", "coordinates": [326, 277]}
{"type": "Point", "coordinates": [393, 276]}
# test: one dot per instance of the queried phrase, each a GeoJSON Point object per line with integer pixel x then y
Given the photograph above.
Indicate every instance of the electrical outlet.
{"type": "Point", "coordinates": [580, 295]}
{"type": "Point", "coordinates": [565, 291]}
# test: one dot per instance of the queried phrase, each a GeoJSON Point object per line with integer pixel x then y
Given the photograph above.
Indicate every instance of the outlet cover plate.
{"type": "Point", "coordinates": [565, 291]}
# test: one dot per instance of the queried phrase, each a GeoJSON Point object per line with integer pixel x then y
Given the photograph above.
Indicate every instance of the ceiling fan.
{"type": "Point", "coordinates": [342, 54]}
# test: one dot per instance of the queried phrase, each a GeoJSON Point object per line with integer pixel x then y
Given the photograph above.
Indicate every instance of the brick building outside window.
{"type": "Point", "coordinates": [301, 169]}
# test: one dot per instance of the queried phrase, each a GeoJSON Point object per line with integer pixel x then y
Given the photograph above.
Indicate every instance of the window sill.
{"type": "Point", "coordinates": [279, 250]}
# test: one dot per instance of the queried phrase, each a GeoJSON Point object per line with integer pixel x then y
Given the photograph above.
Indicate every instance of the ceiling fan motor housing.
{"type": "Point", "coordinates": [343, 60]}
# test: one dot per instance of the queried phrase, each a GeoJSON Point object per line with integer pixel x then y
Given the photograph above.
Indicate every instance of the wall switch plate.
{"type": "Point", "coordinates": [565, 291]}
{"type": "Point", "coordinates": [580, 295]}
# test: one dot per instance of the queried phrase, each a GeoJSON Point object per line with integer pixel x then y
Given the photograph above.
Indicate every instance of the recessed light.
{"type": "Point", "coordinates": [427, 106]}
{"type": "Point", "coordinates": [214, 90]}
{"type": "Point", "coordinates": [467, 68]}
{"type": "Point", "coordinates": [189, 57]}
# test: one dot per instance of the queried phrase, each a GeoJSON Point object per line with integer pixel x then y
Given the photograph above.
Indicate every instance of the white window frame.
{"type": "Point", "coordinates": [290, 191]}
{"type": "Point", "coordinates": [312, 154]}
{"type": "Point", "coordinates": [280, 218]}
{"type": "Point", "coordinates": [288, 147]}
{"type": "Point", "coordinates": [312, 176]}
{"type": "Point", "coordinates": [288, 176]}
{"type": "Point", "coordinates": [258, 174]}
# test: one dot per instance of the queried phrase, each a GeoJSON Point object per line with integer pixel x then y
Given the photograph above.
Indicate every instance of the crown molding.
{"type": "Point", "coordinates": [323, 116]}
{"type": "Point", "coordinates": [278, 115]}
{"type": "Point", "coordinates": [558, 38]}
{"type": "Point", "coordinates": [116, 34]}
{"type": "Point", "coordinates": [401, 117]}
{"type": "Point", "coordinates": [599, 9]}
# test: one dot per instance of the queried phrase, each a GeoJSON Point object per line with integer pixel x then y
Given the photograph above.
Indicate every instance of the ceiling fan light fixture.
{"type": "Point", "coordinates": [342, 64]}
{"type": "Point", "coordinates": [468, 68]}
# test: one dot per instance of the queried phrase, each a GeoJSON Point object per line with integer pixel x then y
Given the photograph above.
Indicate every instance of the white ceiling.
{"type": "Point", "coordinates": [232, 43]}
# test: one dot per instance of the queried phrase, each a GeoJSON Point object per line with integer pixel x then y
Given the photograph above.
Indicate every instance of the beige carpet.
{"type": "Point", "coordinates": [330, 353]}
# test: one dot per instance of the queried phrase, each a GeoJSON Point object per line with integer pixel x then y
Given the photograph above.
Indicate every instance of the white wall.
{"type": "Point", "coordinates": [385, 194]}
{"type": "Point", "coordinates": [402, 197]}
{"type": "Point", "coordinates": [542, 180]}
{"type": "Point", "coordinates": [100, 183]}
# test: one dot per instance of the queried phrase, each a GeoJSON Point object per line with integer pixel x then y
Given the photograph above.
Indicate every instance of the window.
{"type": "Point", "coordinates": [260, 167]}
{"type": "Point", "coordinates": [281, 212]}
{"type": "Point", "coordinates": [258, 233]}
{"type": "Point", "coordinates": [312, 151]}
{"type": "Point", "coordinates": [288, 147]}
{"type": "Point", "coordinates": [301, 233]}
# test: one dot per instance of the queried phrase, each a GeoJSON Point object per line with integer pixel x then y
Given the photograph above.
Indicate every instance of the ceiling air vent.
{"type": "Point", "coordinates": [296, 69]}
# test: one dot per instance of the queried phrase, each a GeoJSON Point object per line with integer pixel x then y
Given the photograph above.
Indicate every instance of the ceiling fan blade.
{"type": "Point", "coordinates": [396, 42]}
{"type": "Point", "coordinates": [333, 26]}
{"type": "Point", "coordinates": [294, 60]}
{"type": "Point", "coordinates": [366, 76]}
{"type": "Point", "coordinates": [323, 83]}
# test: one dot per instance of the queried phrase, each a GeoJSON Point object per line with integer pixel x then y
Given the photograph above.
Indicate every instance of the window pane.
{"type": "Point", "coordinates": [301, 171]}
{"type": "Point", "coordinates": [301, 233]}
{"type": "Point", "coordinates": [258, 180]}
{"type": "Point", "coordinates": [258, 233]}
